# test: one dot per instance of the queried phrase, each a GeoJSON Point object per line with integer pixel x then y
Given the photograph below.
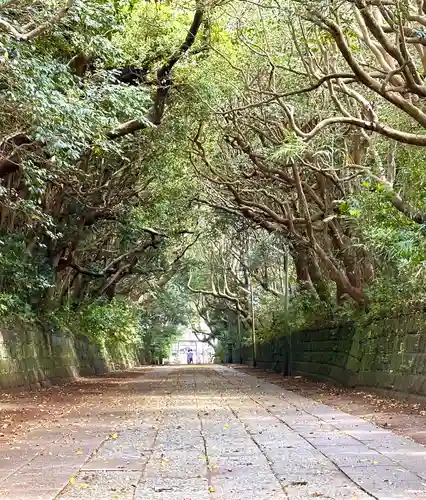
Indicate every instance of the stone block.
{"type": "Point", "coordinates": [412, 343]}
{"type": "Point", "coordinates": [422, 341]}
{"type": "Point", "coordinates": [368, 378]}
{"type": "Point", "coordinates": [415, 384]}
{"type": "Point", "coordinates": [401, 382]}
{"type": "Point", "coordinates": [387, 482]}
{"type": "Point", "coordinates": [386, 380]}
{"type": "Point", "coordinates": [422, 390]}
{"type": "Point", "coordinates": [333, 485]}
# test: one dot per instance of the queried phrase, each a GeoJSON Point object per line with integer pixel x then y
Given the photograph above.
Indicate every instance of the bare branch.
{"type": "Point", "coordinates": [217, 294]}
{"type": "Point", "coordinates": [379, 128]}
{"type": "Point", "coordinates": [8, 3]}
{"type": "Point", "coordinates": [37, 31]}
{"type": "Point", "coordinates": [363, 77]}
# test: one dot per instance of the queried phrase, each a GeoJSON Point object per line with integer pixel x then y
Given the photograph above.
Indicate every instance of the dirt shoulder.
{"type": "Point", "coordinates": [404, 418]}
{"type": "Point", "coordinates": [22, 412]}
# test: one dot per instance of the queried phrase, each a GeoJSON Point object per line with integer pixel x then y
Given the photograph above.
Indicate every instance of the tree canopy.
{"type": "Point", "coordinates": [162, 162]}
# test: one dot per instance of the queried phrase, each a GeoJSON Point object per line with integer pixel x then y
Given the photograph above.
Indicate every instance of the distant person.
{"type": "Point", "coordinates": [190, 357]}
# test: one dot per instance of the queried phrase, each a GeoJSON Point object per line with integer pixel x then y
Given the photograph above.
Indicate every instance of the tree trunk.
{"type": "Point", "coordinates": [300, 259]}
{"type": "Point", "coordinates": [317, 279]}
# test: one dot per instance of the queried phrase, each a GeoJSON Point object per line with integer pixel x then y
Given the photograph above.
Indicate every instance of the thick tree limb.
{"type": "Point", "coordinates": [336, 275]}
{"type": "Point", "coordinates": [164, 82]}
{"type": "Point", "coordinates": [379, 128]}
{"type": "Point", "coordinates": [206, 338]}
{"type": "Point", "coordinates": [217, 294]}
{"type": "Point", "coordinates": [395, 199]}
{"type": "Point", "coordinates": [7, 3]}
{"type": "Point", "coordinates": [37, 31]}
{"type": "Point", "coordinates": [130, 127]}
{"type": "Point", "coordinates": [363, 77]}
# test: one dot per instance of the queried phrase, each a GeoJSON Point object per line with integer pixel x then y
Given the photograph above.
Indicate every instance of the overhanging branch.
{"type": "Point", "coordinates": [378, 127]}
{"type": "Point", "coordinates": [37, 31]}
{"type": "Point", "coordinates": [164, 82]}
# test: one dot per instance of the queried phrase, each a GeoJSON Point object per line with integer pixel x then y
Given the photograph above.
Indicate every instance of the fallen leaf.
{"type": "Point", "coordinates": [114, 435]}
{"type": "Point", "coordinates": [211, 489]}
{"type": "Point", "coordinates": [71, 480]}
{"type": "Point", "coordinates": [79, 452]}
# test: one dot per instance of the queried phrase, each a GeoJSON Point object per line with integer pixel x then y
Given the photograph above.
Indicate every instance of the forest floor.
{"type": "Point", "coordinates": [404, 417]}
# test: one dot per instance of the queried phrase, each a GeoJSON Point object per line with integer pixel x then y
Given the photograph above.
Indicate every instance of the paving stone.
{"type": "Point", "coordinates": [334, 485]}
{"type": "Point", "coordinates": [102, 485]}
{"type": "Point", "coordinates": [43, 437]}
{"type": "Point", "coordinates": [250, 449]}
{"type": "Point", "coordinates": [177, 464]}
{"type": "Point", "coordinates": [251, 494]}
{"type": "Point", "coordinates": [297, 469]}
{"type": "Point", "coordinates": [388, 482]}
{"type": "Point", "coordinates": [25, 494]}
{"type": "Point", "coordinates": [182, 486]}
{"type": "Point", "coordinates": [355, 456]}
{"type": "Point", "coordinates": [260, 485]}
{"type": "Point", "coordinates": [13, 459]}
{"type": "Point", "coordinates": [68, 459]}
{"type": "Point", "coordinates": [129, 446]}
{"type": "Point", "coordinates": [173, 495]}
{"type": "Point", "coordinates": [306, 430]}
{"type": "Point", "coordinates": [238, 463]}
{"type": "Point", "coordinates": [212, 433]}
{"type": "Point", "coordinates": [275, 446]}
{"type": "Point", "coordinates": [367, 432]}
{"type": "Point", "coordinates": [391, 442]}
{"type": "Point", "coordinates": [333, 438]}
{"type": "Point", "coordinates": [410, 457]}
{"type": "Point", "coordinates": [120, 463]}
{"type": "Point", "coordinates": [4, 473]}
{"type": "Point", "coordinates": [48, 479]}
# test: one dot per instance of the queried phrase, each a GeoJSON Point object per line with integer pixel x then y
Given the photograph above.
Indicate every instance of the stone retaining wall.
{"type": "Point", "coordinates": [29, 359]}
{"type": "Point", "coordinates": [387, 353]}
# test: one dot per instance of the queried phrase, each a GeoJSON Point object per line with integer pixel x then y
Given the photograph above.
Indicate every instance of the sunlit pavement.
{"type": "Point", "coordinates": [209, 432]}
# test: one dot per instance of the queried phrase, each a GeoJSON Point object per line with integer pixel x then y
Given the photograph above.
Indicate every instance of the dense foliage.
{"type": "Point", "coordinates": [163, 163]}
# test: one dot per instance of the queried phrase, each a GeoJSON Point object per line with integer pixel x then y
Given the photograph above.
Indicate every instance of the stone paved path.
{"type": "Point", "coordinates": [205, 433]}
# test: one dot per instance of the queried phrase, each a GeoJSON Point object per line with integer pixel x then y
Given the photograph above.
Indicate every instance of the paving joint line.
{"type": "Point", "coordinates": [203, 437]}
{"type": "Point", "coordinates": [235, 414]}
{"type": "Point", "coordinates": [38, 454]}
{"type": "Point", "coordinates": [261, 451]}
{"type": "Point", "coordinates": [295, 431]}
{"type": "Point", "coordinates": [151, 451]}
{"type": "Point", "coordinates": [79, 471]}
